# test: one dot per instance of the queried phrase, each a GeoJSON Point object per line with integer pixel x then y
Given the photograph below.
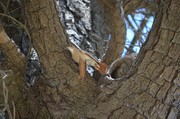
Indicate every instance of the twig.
{"type": "Point", "coordinates": [6, 8]}
{"type": "Point", "coordinates": [5, 73]}
{"type": "Point", "coordinates": [22, 26]}
{"type": "Point", "coordinates": [5, 93]}
{"type": "Point", "coordinates": [14, 110]}
{"type": "Point", "coordinates": [2, 6]}
{"type": "Point", "coordinates": [122, 11]}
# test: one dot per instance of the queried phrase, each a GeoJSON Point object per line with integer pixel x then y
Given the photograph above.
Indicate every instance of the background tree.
{"type": "Point", "coordinates": [150, 90]}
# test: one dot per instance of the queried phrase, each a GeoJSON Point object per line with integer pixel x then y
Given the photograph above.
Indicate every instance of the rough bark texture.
{"type": "Point", "coordinates": [14, 68]}
{"type": "Point", "coordinates": [64, 94]}
{"type": "Point", "coordinates": [152, 92]}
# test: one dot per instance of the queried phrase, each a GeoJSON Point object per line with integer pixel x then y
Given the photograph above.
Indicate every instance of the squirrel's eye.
{"type": "Point", "coordinates": [68, 53]}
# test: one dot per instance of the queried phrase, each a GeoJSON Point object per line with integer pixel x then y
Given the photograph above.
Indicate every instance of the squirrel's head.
{"type": "Point", "coordinates": [69, 51]}
{"type": "Point", "coordinates": [70, 48]}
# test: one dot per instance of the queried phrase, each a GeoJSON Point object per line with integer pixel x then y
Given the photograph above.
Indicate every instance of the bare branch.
{"type": "Point", "coordinates": [20, 24]}
{"type": "Point", "coordinates": [14, 110]}
{"type": "Point", "coordinates": [5, 93]}
{"type": "Point", "coordinates": [13, 54]}
{"type": "Point", "coordinates": [5, 9]}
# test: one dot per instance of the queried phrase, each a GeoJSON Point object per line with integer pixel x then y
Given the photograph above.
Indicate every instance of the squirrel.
{"type": "Point", "coordinates": [83, 58]}
{"type": "Point", "coordinates": [117, 69]}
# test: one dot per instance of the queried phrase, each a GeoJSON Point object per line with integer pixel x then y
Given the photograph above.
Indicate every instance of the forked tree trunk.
{"type": "Point", "coordinates": [151, 92]}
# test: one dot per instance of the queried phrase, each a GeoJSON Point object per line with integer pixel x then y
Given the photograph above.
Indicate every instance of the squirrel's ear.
{"type": "Point", "coordinates": [68, 52]}
{"type": "Point", "coordinates": [68, 48]}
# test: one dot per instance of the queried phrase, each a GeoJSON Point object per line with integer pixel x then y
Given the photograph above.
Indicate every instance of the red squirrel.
{"type": "Point", "coordinates": [81, 57]}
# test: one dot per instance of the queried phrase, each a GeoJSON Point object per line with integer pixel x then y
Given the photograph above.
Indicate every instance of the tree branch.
{"type": "Point", "coordinates": [13, 54]}
{"type": "Point", "coordinates": [117, 29]}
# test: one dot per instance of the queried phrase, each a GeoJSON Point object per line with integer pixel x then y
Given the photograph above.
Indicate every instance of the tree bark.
{"type": "Point", "coordinates": [151, 92]}
{"type": "Point", "coordinates": [13, 67]}
{"type": "Point", "coordinates": [65, 95]}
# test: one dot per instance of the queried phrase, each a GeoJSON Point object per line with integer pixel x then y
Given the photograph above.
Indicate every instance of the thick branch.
{"type": "Point", "coordinates": [117, 29]}
{"type": "Point", "coordinates": [12, 52]}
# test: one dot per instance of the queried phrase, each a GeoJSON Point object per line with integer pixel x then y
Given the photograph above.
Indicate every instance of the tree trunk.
{"type": "Point", "coordinates": [151, 92]}
{"type": "Point", "coordinates": [64, 94]}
